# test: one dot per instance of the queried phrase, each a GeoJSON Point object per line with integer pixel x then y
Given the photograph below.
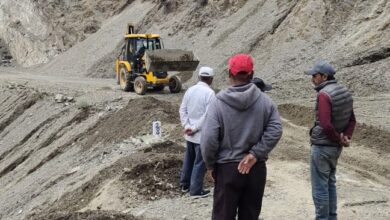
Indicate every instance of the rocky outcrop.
{"type": "Point", "coordinates": [25, 31]}
{"type": "Point", "coordinates": [38, 30]}
{"type": "Point", "coordinates": [5, 56]}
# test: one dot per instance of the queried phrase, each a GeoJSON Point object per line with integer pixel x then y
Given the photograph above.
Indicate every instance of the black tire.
{"type": "Point", "coordinates": [124, 82]}
{"type": "Point", "coordinates": [140, 85]}
{"type": "Point", "coordinates": [159, 88]}
{"type": "Point", "coordinates": [174, 84]}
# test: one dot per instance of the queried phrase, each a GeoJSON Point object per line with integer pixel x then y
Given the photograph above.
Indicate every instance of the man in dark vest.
{"type": "Point", "coordinates": [332, 130]}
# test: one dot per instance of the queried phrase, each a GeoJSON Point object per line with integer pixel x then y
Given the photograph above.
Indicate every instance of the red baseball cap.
{"type": "Point", "coordinates": [240, 63]}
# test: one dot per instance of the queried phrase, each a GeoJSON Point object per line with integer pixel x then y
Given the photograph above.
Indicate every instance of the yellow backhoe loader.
{"type": "Point", "coordinates": [143, 64]}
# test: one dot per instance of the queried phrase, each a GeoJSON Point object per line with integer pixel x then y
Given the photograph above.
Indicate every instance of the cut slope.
{"type": "Point", "coordinates": [286, 38]}
{"type": "Point", "coordinates": [77, 60]}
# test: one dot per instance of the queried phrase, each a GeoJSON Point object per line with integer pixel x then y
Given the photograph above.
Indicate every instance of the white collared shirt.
{"type": "Point", "coordinates": [193, 109]}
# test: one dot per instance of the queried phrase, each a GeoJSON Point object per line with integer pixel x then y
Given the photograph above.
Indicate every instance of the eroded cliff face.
{"type": "Point", "coordinates": [37, 30]}
{"type": "Point", "coordinates": [24, 31]}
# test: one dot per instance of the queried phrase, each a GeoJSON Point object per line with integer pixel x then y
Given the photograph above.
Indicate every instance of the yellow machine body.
{"type": "Point", "coordinates": [143, 63]}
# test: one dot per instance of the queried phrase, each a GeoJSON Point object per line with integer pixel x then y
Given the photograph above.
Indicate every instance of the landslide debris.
{"type": "Point", "coordinates": [134, 119]}
{"type": "Point", "coordinates": [40, 136]}
{"type": "Point", "coordinates": [149, 174]}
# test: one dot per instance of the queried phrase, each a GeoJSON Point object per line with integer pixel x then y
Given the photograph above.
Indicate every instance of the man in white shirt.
{"type": "Point", "coordinates": [192, 115]}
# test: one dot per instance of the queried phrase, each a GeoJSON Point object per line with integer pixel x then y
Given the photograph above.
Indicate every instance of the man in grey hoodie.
{"type": "Point", "coordinates": [242, 126]}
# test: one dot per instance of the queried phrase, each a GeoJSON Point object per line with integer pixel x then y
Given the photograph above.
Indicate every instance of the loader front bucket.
{"type": "Point", "coordinates": [170, 60]}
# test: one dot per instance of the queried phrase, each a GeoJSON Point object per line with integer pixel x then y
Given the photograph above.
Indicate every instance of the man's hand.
{"type": "Point", "coordinates": [189, 132]}
{"type": "Point", "coordinates": [246, 164]}
{"type": "Point", "coordinates": [345, 141]}
{"type": "Point", "coordinates": [209, 176]}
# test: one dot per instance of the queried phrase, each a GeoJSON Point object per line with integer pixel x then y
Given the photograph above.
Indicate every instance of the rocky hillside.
{"type": "Point", "coordinates": [285, 37]}
{"type": "Point", "coordinates": [37, 30]}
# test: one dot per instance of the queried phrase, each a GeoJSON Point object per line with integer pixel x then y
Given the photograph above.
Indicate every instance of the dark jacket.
{"type": "Point", "coordinates": [342, 109]}
{"type": "Point", "coordinates": [240, 120]}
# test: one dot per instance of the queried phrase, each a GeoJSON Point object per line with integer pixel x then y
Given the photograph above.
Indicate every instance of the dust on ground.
{"type": "Point", "coordinates": [372, 138]}
{"type": "Point", "coordinates": [364, 134]}
{"type": "Point", "coordinates": [95, 214]}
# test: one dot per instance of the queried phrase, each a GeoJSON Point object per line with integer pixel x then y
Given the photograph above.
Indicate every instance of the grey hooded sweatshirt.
{"type": "Point", "coordinates": [240, 120]}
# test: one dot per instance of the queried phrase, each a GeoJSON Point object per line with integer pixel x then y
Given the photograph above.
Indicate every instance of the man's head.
{"type": "Point", "coordinates": [261, 84]}
{"type": "Point", "coordinates": [240, 69]}
{"type": "Point", "coordinates": [320, 72]}
{"type": "Point", "coordinates": [206, 74]}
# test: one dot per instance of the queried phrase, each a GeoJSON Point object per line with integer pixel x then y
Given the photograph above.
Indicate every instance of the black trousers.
{"type": "Point", "coordinates": [238, 194]}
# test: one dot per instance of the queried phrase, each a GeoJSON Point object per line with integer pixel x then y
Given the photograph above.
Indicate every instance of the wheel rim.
{"type": "Point", "coordinates": [138, 87]}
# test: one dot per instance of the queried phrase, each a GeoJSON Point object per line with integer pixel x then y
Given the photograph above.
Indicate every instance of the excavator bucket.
{"type": "Point", "coordinates": [170, 60]}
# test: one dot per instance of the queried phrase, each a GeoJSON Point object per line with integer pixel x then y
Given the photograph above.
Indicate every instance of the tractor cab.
{"type": "Point", "coordinates": [135, 46]}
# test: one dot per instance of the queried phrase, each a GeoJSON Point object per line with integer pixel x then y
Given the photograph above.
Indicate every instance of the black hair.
{"type": "Point", "coordinates": [206, 79]}
{"type": "Point", "coordinates": [329, 77]}
{"type": "Point", "coordinates": [242, 76]}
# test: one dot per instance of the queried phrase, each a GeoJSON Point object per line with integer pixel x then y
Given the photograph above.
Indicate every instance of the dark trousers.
{"type": "Point", "coordinates": [236, 193]}
{"type": "Point", "coordinates": [193, 170]}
